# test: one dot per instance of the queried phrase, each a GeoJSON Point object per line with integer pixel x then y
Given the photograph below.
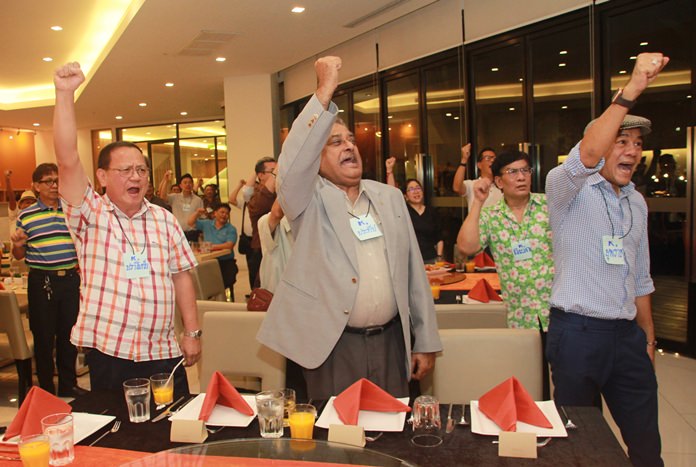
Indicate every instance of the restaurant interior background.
{"type": "Point", "coordinates": [422, 84]}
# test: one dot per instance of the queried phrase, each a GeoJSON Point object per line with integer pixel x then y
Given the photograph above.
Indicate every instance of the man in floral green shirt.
{"type": "Point", "coordinates": [518, 233]}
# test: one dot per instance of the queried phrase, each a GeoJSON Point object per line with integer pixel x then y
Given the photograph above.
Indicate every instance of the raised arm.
{"type": "Point", "coordinates": [9, 191]}
{"type": "Point", "coordinates": [459, 175]}
{"type": "Point", "coordinates": [165, 184]}
{"type": "Point", "coordinates": [389, 166]}
{"type": "Point", "coordinates": [72, 177]}
{"type": "Point", "coordinates": [602, 134]}
{"type": "Point", "coordinates": [468, 239]}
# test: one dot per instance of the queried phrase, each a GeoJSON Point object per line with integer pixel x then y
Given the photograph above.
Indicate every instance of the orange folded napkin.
{"type": "Point", "coordinates": [482, 260]}
{"type": "Point", "coordinates": [509, 403]}
{"type": "Point", "coordinates": [37, 405]}
{"type": "Point", "coordinates": [220, 391]}
{"type": "Point", "coordinates": [484, 292]}
{"type": "Point", "coordinates": [365, 395]}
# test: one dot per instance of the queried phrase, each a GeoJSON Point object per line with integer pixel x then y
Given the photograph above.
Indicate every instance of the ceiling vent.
{"type": "Point", "coordinates": [207, 42]}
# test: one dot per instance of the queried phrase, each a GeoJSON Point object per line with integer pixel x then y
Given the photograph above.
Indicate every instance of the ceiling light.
{"type": "Point", "coordinates": [632, 57]}
{"type": "Point", "coordinates": [36, 124]}
{"type": "Point", "coordinates": [11, 137]}
{"type": "Point", "coordinates": [195, 154]}
{"type": "Point", "coordinates": [220, 59]}
{"type": "Point", "coordinates": [495, 68]}
{"type": "Point", "coordinates": [56, 28]}
{"type": "Point", "coordinates": [119, 117]}
{"type": "Point", "coordinates": [148, 132]}
{"type": "Point", "coordinates": [643, 44]}
{"type": "Point", "coordinates": [169, 85]}
{"type": "Point", "coordinates": [521, 79]}
{"type": "Point", "coordinates": [622, 72]}
{"type": "Point", "coordinates": [341, 110]}
{"type": "Point", "coordinates": [677, 128]}
{"type": "Point", "coordinates": [298, 9]}
{"type": "Point", "coordinates": [143, 104]}
{"type": "Point", "coordinates": [564, 107]}
{"type": "Point", "coordinates": [563, 52]}
{"type": "Point", "coordinates": [561, 65]}
{"type": "Point", "coordinates": [456, 118]}
{"type": "Point", "coordinates": [183, 113]}
{"type": "Point", "coordinates": [688, 96]}
{"type": "Point", "coordinates": [391, 116]}
{"type": "Point", "coordinates": [47, 59]}
{"type": "Point", "coordinates": [511, 108]}
{"type": "Point", "coordinates": [448, 114]}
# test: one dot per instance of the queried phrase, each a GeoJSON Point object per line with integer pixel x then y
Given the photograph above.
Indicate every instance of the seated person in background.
{"type": "Point", "coordinates": [423, 218]}
{"type": "Point", "coordinates": [223, 236]}
{"type": "Point", "coordinates": [183, 204]}
{"type": "Point", "coordinates": [277, 240]}
{"type": "Point", "coordinates": [466, 187]}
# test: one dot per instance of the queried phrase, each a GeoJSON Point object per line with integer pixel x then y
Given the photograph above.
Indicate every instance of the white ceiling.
{"type": "Point", "coordinates": [267, 38]}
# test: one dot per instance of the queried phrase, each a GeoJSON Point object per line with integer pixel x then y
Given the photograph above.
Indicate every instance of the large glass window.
{"type": "Point", "coordinates": [367, 129]}
{"type": "Point", "coordinates": [404, 125]}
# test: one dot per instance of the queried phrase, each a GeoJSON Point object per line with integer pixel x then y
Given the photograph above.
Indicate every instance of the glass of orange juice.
{"type": "Point", "coordinates": [162, 388]}
{"type": "Point", "coordinates": [435, 289]}
{"type": "Point", "coordinates": [302, 421]}
{"type": "Point", "coordinates": [34, 450]}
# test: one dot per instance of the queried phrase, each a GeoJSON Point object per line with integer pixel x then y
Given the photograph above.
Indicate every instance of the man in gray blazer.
{"type": "Point", "coordinates": [354, 300]}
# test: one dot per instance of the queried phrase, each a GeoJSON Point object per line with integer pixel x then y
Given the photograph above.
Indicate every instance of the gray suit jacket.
{"type": "Point", "coordinates": [317, 291]}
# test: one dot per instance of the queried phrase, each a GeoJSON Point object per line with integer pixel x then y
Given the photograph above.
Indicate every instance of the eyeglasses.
{"type": "Point", "coordinates": [49, 181]}
{"type": "Point", "coordinates": [414, 189]}
{"type": "Point", "coordinates": [272, 172]}
{"type": "Point", "coordinates": [141, 170]}
{"type": "Point", "coordinates": [524, 171]}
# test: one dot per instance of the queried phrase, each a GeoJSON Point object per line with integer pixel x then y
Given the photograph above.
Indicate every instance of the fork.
{"type": "Point", "coordinates": [569, 423]}
{"type": "Point", "coordinates": [462, 420]}
{"type": "Point", "coordinates": [374, 438]}
{"type": "Point", "coordinates": [114, 429]}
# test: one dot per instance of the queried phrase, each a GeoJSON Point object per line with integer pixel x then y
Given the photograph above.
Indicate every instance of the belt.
{"type": "Point", "coordinates": [372, 330]}
{"type": "Point", "coordinates": [56, 273]}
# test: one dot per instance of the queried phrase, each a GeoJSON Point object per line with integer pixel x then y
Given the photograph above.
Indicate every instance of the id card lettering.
{"type": "Point", "coordinates": [613, 250]}
{"type": "Point", "coordinates": [365, 228]}
{"type": "Point", "coordinates": [521, 250]}
{"type": "Point", "coordinates": [137, 266]}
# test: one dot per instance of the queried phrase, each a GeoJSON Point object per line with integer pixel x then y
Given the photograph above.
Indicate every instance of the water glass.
{"type": "Point", "coordinates": [270, 406]}
{"type": "Point", "coordinates": [302, 421]}
{"type": "Point", "coordinates": [162, 388]}
{"type": "Point", "coordinates": [137, 392]}
{"type": "Point", "coordinates": [59, 429]}
{"type": "Point", "coordinates": [426, 422]}
{"type": "Point", "coordinates": [289, 407]}
{"type": "Point", "coordinates": [34, 450]}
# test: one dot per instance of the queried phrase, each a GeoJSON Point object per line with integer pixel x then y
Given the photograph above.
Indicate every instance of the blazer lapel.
{"type": "Point", "coordinates": [385, 225]}
{"type": "Point", "coordinates": [335, 206]}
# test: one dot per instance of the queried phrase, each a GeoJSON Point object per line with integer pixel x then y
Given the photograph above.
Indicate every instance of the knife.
{"type": "Point", "coordinates": [166, 412]}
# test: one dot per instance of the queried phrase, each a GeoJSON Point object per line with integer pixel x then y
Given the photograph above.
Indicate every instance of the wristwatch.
{"type": "Point", "coordinates": [622, 101]}
{"type": "Point", "coordinates": [196, 334]}
{"type": "Point", "coordinates": [463, 164]}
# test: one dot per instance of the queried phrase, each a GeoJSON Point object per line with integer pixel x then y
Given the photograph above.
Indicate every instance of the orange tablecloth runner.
{"type": "Point", "coordinates": [87, 456]}
{"type": "Point", "coordinates": [471, 279]}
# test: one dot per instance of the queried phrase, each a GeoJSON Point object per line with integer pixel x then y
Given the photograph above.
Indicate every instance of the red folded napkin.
{"type": "Point", "coordinates": [509, 403]}
{"type": "Point", "coordinates": [482, 260]}
{"type": "Point", "coordinates": [220, 391]}
{"type": "Point", "coordinates": [484, 292]}
{"type": "Point", "coordinates": [365, 395]}
{"type": "Point", "coordinates": [37, 405]}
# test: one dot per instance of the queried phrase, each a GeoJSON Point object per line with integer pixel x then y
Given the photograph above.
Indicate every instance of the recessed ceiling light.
{"type": "Point", "coordinates": [143, 104]}
{"type": "Point", "coordinates": [564, 107]}
{"type": "Point", "coordinates": [169, 85]}
{"type": "Point", "coordinates": [148, 132]}
{"type": "Point", "coordinates": [390, 116]}
{"type": "Point", "coordinates": [56, 28]}
{"type": "Point", "coordinates": [511, 108]}
{"type": "Point", "coordinates": [455, 118]}
{"type": "Point", "coordinates": [183, 113]}
{"type": "Point", "coordinates": [632, 57]}
{"type": "Point", "coordinates": [521, 79]}
{"type": "Point", "coordinates": [365, 128]}
{"type": "Point", "coordinates": [220, 59]}
{"type": "Point", "coordinates": [36, 124]}
{"type": "Point", "coordinates": [298, 9]}
{"type": "Point", "coordinates": [119, 117]}
{"type": "Point", "coordinates": [47, 59]}
{"type": "Point", "coordinates": [448, 114]}
{"type": "Point", "coordinates": [341, 110]}
{"type": "Point", "coordinates": [195, 154]}
{"type": "Point", "coordinates": [495, 68]}
{"type": "Point", "coordinates": [622, 72]}
{"type": "Point", "coordinates": [561, 65]}
{"type": "Point", "coordinates": [688, 96]}
{"type": "Point", "coordinates": [563, 52]}
{"type": "Point", "coordinates": [643, 44]}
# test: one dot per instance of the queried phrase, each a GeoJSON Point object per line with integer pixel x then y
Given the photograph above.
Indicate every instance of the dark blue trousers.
{"type": "Point", "coordinates": [589, 357]}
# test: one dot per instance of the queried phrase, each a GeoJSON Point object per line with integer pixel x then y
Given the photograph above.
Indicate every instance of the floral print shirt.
{"type": "Point", "coordinates": [526, 283]}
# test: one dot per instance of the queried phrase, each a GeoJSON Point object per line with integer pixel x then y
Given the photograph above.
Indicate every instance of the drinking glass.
{"type": "Point", "coordinates": [289, 406]}
{"type": "Point", "coordinates": [59, 429]}
{"type": "Point", "coordinates": [162, 388]}
{"type": "Point", "coordinates": [270, 405]}
{"type": "Point", "coordinates": [34, 450]}
{"type": "Point", "coordinates": [302, 421]}
{"type": "Point", "coordinates": [426, 422]}
{"type": "Point", "coordinates": [137, 392]}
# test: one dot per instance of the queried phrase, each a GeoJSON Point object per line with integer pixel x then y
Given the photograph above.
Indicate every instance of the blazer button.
{"type": "Point", "coordinates": [354, 280]}
{"type": "Point", "coordinates": [345, 312]}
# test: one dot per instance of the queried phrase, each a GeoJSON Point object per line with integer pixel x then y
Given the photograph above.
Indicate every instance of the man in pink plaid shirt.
{"type": "Point", "coordinates": [133, 257]}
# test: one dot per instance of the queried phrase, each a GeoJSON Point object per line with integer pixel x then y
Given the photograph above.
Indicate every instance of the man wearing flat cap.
{"type": "Point", "coordinates": [601, 340]}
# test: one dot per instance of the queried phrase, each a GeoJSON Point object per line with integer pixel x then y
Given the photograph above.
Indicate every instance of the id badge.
{"type": "Point", "coordinates": [521, 250]}
{"type": "Point", "coordinates": [365, 228]}
{"type": "Point", "coordinates": [137, 266]}
{"type": "Point", "coordinates": [613, 250]}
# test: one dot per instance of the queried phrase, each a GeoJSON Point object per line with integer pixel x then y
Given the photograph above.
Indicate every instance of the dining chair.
{"type": "Point", "coordinates": [16, 342]}
{"type": "Point", "coordinates": [470, 316]}
{"type": "Point", "coordinates": [474, 361]}
{"type": "Point", "coordinates": [229, 346]}
{"type": "Point", "coordinates": [207, 279]}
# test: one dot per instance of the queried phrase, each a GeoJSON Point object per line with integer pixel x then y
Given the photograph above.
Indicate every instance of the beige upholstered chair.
{"type": "Point", "coordinates": [230, 347]}
{"type": "Point", "coordinates": [476, 360]}
{"type": "Point", "coordinates": [484, 315]}
{"type": "Point", "coordinates": [16, 342]}
{"type": "Point", "coordinates": [207, 279]}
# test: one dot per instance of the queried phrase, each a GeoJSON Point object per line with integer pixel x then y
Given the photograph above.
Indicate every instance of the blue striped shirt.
{"type": "Point", "coordinates": [49, 245]}
{"type": "Point", "coordinates": [581, 202]}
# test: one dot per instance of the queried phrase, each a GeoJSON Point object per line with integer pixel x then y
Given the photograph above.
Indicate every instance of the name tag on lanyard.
{"type": "Point", "coordinates": [365, 227]}
{"type": "Point", "coordinates": [137, 266]}
{"type": "Point", "coordinates": [613, 250]}
{"type": "Point", "coordinates": [521, 250]}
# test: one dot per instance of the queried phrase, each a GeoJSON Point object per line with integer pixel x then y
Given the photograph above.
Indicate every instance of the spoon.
{"type": "Point", "coordinates": [171, 375]}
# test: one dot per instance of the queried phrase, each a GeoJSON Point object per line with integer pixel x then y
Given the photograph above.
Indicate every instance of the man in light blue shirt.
{"type": "Point", "coordinates": [601, 340]}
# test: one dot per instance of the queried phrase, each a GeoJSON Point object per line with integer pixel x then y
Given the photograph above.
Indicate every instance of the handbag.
{"type": "Point", "coordinates": [244, 243]}
{"type": "Point", "coordinates": [259, 299]}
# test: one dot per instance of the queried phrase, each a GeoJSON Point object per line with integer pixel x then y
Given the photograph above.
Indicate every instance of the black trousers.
{"type": "Point", "coordinates": [108, 372]}
{"type": "Point", "coordinates": [54, 302]}
{"type": "Point", "coordinates": [254, 264]}
{"type": "Point", "coordinates": [229, 270]}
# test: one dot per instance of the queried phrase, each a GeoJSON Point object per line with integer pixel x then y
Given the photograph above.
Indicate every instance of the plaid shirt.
{"type": "Point", "coordinates": [127, 318]}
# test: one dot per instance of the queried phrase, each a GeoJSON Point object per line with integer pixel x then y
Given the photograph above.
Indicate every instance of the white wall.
{"type": "Point", "coordinates": [43, 144]}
